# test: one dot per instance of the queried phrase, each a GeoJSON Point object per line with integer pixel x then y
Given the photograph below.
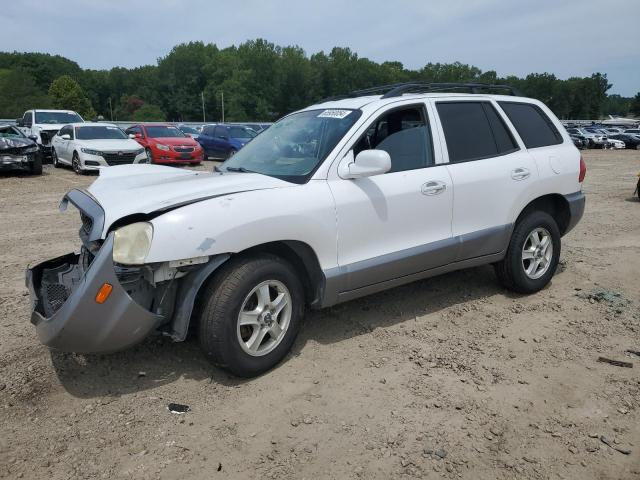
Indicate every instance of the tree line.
{"type": "Point", "coordinates": [260, 81]}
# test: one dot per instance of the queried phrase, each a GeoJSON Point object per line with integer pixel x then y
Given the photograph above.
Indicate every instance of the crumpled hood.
{"type": "Point", "coordinates": [130, 189]}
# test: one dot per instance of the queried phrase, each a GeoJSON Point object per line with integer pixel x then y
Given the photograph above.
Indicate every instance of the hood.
{"type": "Point", "coordinates": [174, 141]}
{"type": "Point", "coordinates": [126, 144]}
{"type": "Point", "coordinates": [7, 143]}
{"type": "Point", "coordinates": [129, 189]}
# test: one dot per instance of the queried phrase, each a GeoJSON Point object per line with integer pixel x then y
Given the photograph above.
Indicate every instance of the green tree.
{"type": "Point", "coordinates": [19, 92]}
{"type": "Point", "coordinates": [67, 94]}
{"type": "Point", "coordinates": [634, 108]}
{"type": "Point", "coordinates": [148, 113]}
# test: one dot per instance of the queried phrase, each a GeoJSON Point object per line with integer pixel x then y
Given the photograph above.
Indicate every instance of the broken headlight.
{"type": "Point", "coordinates": [131, 243]}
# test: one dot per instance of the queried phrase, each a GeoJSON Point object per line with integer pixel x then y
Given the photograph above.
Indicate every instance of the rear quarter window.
{"type": "Point", "coordinates": [534, 127]}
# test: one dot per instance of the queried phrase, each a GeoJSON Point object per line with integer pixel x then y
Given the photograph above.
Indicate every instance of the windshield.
{"type": "Point", "coordinates": [295, 146]}
{"type": "Point", "coordinates": [57, 117]}
{"type": "Point", "coordinates": [241, 132]}
{"type": "Point", "coordinates": [185, 129]}
{"type": "Point", "coordinates": [99, 133]}
{"type": "Point", "coordinates": [8, 131]}
{"type": "Point", "coordinates": [164, 132]}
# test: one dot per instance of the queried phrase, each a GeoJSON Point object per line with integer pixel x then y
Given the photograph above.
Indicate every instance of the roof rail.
{"type": "Point", "coordinates": [435, 87]}
{"type": "Point", "coordinates": [398, 89]}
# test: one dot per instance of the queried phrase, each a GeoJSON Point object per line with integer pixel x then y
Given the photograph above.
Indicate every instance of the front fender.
{"type": "Point", "coordinates": [235, 222]}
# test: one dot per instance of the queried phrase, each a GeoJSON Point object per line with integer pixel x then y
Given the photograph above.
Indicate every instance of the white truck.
{"type": "Point", "coordinates": [343, 199]}
{"type": "Point", "coordinates": [42, 125]}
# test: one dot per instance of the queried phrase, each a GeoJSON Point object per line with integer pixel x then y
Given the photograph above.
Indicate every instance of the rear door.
{"type": "Point", "coordinates": [492, 174]}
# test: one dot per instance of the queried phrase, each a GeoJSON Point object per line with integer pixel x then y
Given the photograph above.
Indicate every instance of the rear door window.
{"type": "Point", "coordinates": [473, 131]}
{"type": "Point", "coordinates": [534, 127]}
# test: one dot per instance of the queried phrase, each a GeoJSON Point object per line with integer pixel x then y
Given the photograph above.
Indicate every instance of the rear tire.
{"type": "Point", "coordinates": [233, 314]}
{"type": "Point", "coordinates": [518, 271]}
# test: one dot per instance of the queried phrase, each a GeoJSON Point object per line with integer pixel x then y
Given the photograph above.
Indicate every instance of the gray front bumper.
{"type": "Point", "coordinates": [81, 324]}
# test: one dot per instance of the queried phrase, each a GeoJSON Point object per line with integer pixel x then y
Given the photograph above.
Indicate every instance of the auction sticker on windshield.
{"type": "Point", "coordinates": [334, 114]}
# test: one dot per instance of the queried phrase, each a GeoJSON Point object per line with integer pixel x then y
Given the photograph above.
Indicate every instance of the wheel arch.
{"type": "Point", "coordinates": [299, 254]}
{"type": "Point", "coordinates": [303, 258]}
{"type": "Point", "coordinates": [555, 205]}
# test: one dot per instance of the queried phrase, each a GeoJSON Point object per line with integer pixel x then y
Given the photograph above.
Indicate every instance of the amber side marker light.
{"type": "Point", "coordinates": [103, 293]}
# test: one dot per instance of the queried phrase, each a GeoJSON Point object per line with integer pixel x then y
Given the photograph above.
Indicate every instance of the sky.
{"type": "Point", "coordinates": [566, 38]}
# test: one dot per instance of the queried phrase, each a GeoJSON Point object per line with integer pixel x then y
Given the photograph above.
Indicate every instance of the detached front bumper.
{"type": "Point", "coordinates": [81, 324]}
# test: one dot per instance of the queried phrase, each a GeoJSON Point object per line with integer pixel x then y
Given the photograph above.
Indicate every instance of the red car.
{"type": "Point", "coordinates": [165, 143]}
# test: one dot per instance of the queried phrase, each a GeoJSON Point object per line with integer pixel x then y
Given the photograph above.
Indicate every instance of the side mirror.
{"type": "Point", "coordinates": [19, 122]}
{"type": "Point", "coordinates": [33, 137]}
{"type": "Point", "coordinates": [66, 136]}
{"type": "Point", "coordinates": [138, 135]}
{"type": "Point", "coordinates": [132, 136]}
{"type": "Point", "coordinates": [366, 164]}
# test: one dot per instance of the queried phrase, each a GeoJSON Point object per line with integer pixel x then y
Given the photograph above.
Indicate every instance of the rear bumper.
{"type": "Point", "coordinates": [80, 324]}
{"type": "Point", "coordinates": [576, 203]}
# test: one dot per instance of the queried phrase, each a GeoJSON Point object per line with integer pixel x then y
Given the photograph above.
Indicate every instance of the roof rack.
{"type": "Point", "coordinates": [398, 89]}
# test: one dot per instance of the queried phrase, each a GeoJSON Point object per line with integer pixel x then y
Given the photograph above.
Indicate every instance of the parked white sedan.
{"type": "Point", "coordinates": [91, 146]}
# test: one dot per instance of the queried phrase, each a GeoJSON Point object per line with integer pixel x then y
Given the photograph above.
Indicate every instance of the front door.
{"type": "Point", "coordinates": [398, 223]}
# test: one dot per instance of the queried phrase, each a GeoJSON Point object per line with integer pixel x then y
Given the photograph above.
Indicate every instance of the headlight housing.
{"type": "Point", "coordinates": [162, 147]}
{"type": "Point", "coordinates": [90, 151]}
{"type": "Point", "coordinates": [132, 243]}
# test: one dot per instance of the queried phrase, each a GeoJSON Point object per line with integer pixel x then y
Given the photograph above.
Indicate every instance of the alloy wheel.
{"type": "Point", "coordinates": [264, 318]}
{"type": "Point", "coordinates": [537, 253]}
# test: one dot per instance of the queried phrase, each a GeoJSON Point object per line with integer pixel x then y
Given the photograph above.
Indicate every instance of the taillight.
{"type": "Point", "coordinates": [583, 170]}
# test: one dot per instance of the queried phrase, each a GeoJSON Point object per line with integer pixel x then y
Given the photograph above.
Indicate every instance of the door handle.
{"type": "Point", "coordinates": [433, 188]}
{"type": "Point", "coordinates": [520, 173]}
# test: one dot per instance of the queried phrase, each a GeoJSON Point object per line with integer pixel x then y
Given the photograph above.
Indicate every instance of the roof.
{"type": "Point", "coordinates": [92, 124]}
{"type": "Point", "coordinates": [52, 110]}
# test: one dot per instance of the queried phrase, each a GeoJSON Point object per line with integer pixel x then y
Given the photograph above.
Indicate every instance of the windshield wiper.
{"type": "Point", "coordinates": [239, 169]}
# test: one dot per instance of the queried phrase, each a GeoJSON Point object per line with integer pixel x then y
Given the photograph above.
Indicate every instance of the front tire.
{"type": "Point", "coordinates": [36, 166]}
{"type": "Point", "coordinates": [75, 164]}
{"type": "Point", "coordinates": [54, 158]}
{"type": "Point", "coordinates": [533, 254]}
{"type": "Point", "coordinates": [149, 155]}
{"type": "Point", "coordinates": [252, 311]}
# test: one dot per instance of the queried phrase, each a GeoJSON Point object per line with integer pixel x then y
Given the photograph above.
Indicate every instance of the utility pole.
{"type": "Point", "coordinates": [111, 109]}
{"type": "Point", "coordinates": [222, 95]}
{"type": "Point", "coordinates": [204, 118]}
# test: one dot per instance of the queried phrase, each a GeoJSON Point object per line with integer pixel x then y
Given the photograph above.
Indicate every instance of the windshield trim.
{"type": "Point", "coordinates": [303, 179]}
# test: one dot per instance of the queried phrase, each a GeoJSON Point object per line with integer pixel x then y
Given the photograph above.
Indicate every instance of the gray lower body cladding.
{"type": "Point", "coordinates": [373, 275]}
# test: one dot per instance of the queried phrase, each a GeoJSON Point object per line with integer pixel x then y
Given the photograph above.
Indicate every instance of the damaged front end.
{"type": "Point", "coordinates": [67, 314]}
{"type": "Point", "coordinates": [87, 303]}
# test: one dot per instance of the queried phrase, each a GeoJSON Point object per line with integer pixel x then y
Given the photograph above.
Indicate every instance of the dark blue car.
{"type": "Point", "coordinates": [223, 140]}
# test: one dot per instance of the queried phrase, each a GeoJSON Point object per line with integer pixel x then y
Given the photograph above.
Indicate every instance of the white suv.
{"type": "Point", "coordinates": [340, 200]}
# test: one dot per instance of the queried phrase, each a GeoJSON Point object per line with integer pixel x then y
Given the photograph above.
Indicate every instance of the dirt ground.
{"type": "Point", "coordinates": [450, 377]}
